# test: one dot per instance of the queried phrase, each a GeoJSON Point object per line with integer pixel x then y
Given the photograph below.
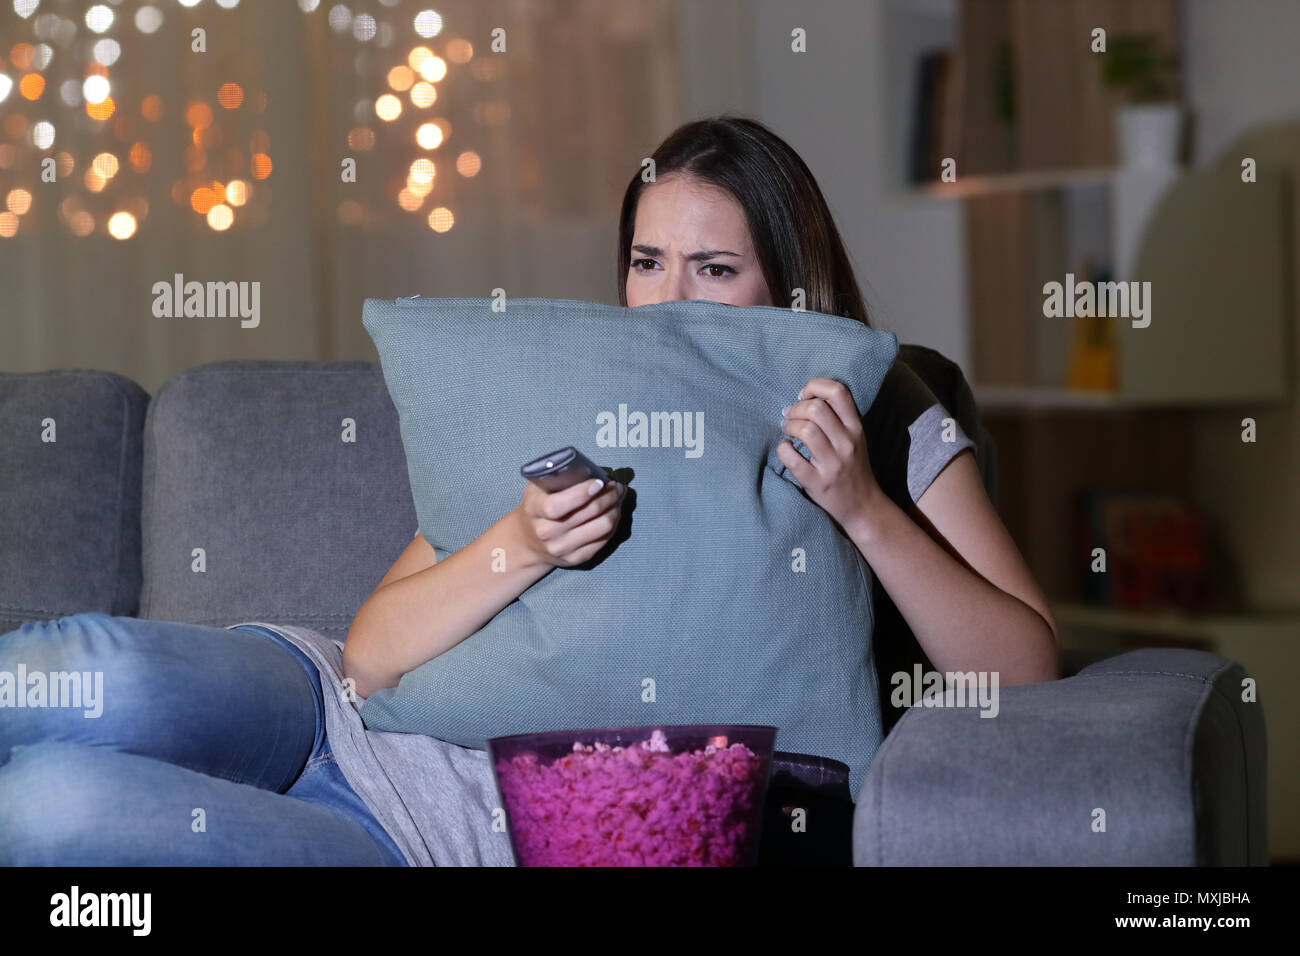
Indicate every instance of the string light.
{"type": "Point", "coordinates": [225, 159]}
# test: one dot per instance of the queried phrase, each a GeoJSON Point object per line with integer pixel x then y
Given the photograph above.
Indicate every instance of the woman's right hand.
{"type": "Point", "coordinates": [564, 528]}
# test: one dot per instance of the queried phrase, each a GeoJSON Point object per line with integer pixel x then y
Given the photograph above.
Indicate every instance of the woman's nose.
{"type": "Point", "coordinates": [673, 287]}
{"type": "Point", "coordinates": [679, 285]}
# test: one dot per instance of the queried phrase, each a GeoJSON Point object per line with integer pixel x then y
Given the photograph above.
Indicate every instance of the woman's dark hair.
{"type": "Point", "coordinates": [794, 235]}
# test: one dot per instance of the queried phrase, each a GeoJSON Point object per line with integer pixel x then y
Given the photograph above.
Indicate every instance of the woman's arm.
{"type": "Point", "coordinates": [424, 607]}
{"type": "Point", "coordinates": [971, 601]}
{"type": "Point", "coordinates": [959, 581]}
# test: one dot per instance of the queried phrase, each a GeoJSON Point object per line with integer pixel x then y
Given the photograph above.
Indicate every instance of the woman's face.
{"type": "Point", "coordinates": [691, 242]}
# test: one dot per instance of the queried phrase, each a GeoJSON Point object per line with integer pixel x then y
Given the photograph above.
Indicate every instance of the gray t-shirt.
{"type": "Point", "coordinates": [438, 800]}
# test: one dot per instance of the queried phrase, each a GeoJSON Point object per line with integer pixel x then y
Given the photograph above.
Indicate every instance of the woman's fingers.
{"type": "Point", "coordinates": [811, 435]}
{"type": "Point", "coordinates": [797, 464]}
{"type": "Point", "coordinates": [594, 532]}
{"type": "Point", "coordinates": [557, 505]}
{"type": "Point", "coordinates": [574, 511]}
{"type": "Point", "coordinates": [829, 404]}
{"type": "Point", "coordinates": [603, 502]}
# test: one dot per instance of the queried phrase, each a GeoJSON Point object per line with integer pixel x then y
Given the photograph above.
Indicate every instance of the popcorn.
{"type": "Point", "coordinates": [639, 805]}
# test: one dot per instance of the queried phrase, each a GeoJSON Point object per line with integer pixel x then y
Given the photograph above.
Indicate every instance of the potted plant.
{"type": "Point", "coordinates": [1149, 125]}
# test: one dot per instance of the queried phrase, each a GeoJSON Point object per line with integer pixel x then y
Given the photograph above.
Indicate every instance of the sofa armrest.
{"type": "Point", "coordinates": [1158, 739]}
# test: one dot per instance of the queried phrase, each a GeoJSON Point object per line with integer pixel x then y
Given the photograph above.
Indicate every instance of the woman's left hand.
{"type": "Point", "coordinates": [838, 477]}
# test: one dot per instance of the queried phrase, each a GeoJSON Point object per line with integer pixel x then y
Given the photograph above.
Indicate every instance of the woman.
{"type": "Point", "coordinates": [735, 216]}
{"type": "Point", "coordinates": [212, 748]}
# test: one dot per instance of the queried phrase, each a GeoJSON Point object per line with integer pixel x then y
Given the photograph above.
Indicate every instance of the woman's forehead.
{"type": "Point", "coordinates": [677, 213]}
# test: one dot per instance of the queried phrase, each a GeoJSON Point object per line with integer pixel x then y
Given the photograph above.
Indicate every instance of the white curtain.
{"type": "Point", "coordinates": [555, 125]}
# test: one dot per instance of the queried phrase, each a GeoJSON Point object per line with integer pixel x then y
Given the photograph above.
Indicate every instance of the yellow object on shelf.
{"type": "Point", "coordinates": [1092, 364]}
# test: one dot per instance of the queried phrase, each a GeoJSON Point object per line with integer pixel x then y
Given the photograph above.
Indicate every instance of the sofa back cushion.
{"type": "Point", "coordinates": [273, 491]}
{"type": "Point", "coordinates": [730, 596]}
{"type": "Point", "coordinates": [69, 494]}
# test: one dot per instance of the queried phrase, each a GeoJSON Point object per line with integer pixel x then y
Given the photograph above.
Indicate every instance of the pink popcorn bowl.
{"type": "Point", "coordinates": [676, 795]}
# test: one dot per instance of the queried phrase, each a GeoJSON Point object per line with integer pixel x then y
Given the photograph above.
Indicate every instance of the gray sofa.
{"type": "Point", "coordinates": [291, 479]}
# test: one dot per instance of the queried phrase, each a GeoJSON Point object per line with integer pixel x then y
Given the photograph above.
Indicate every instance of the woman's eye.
{"type": "Point", "coordinates": [636, 264]}
{"type": "Point", "coordinates": [718, 275]}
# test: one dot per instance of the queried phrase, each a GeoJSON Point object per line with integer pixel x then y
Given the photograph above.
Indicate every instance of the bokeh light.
{"type": "Point", "coordinates": [424, 94]}
{"type": "Point", "coordinates": [260, 165]}
{"type": "Point", "coordinates": [364, 27]}
{"type": "Point", "coordinates": [199, 115]}
{"type": "Point", "coordinates": [32, 86]}
{"type": "Point", "coordinates": [99, 18]}
{"type": "Point", "coordinates": [351, 212]}
{"type": "Point", "coordinates": [401, 77]}
{"type": "Point", "coordinates": [220, 217]}
{"type": "Point", "coordinates": [148, 19]}
{"type": "Point", "coordinates": [230, 96]}
{"type": "Point", "coordinates": [102, 110]}
{"type": "Point", "coordinates": [21, 55]}
{"type": "Point", "coordinates": [202, 200]}
{"type": "Point", "coordinates": [441, 219]}
{"type": "Point", "coordinates": [18, 201]}
{"type": "Point", "coordinates": [428, 23]}
{"type": "Point", "coordinates": [43, 134]}
{"type": "Point", "coordinates": [95, 89]}
{"type": "Point", "coordinates": [121, 225]}
{"type": "Point", "coordinates": [141, 157]}
{"type": "Point", "coordinates": [423, 170]}
{"type": "Point", "coordinates": [428, 136]}
{"type": "Point", "coordinates": [388, 107]}
{"type": "Point", "coordinates": [459, 51]}
{"type": "Point", "coordinates": [82, 223]}
{"type": "Point", "coordinates": [340, 18]}
{"type": "Point", "coordinates": [432, 68]}
{"type": "Point", "coordinates": [105, 164]}
{"type": "Point", "coordinates": [417, 57]}
{"type": "Point", "coordinates": [468, 163]}
{"type": "Point", "coordinates": [107, 51]}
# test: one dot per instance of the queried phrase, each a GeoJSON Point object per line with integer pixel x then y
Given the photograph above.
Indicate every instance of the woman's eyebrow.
{"type": "Point", "coordinates": [693, 257]}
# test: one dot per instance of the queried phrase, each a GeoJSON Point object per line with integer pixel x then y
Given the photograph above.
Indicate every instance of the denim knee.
{"type": "Point", "coordinates": [49, 644]}
{"type": "Point", "coordinates": [44, 819]}
{"type": "Point", "coordinates": [53, 646]}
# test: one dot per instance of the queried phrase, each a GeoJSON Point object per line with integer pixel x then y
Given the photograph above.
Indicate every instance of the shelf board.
{"type": "Point", "coordinates": [967, 186]}
{"type": "Point", "coordinates": [1175, 623]}
{"type": "Point", "coordinates": [1016, 397]}
{"type": "Point", "coordinates": [1029, 398]}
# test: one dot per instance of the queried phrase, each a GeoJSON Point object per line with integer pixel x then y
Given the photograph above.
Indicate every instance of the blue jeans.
{"type": "Point", "coordinates": [210, 750]}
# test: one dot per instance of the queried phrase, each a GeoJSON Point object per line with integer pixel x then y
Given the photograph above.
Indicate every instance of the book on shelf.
{"type": "Point", "coordinates": [934, 123]}
{"type": "Point", "coordinates": [1155, 552]}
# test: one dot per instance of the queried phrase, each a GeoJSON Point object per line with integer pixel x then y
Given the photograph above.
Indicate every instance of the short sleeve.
{"type": "Point", "coordinates": [910, 436]}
